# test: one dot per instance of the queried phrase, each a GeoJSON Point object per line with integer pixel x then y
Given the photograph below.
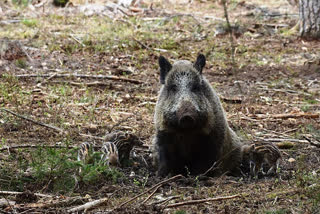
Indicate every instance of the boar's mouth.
{"type": "Point", "coordinates": [187, 121]}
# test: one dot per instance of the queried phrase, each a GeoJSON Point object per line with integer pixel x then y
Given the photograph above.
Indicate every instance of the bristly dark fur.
{"type": "Point", "coordinates": [191, 127]}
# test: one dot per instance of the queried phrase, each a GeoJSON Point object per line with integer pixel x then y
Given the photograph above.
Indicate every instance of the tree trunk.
{"type": "Point", "coordinates": [309, 12]}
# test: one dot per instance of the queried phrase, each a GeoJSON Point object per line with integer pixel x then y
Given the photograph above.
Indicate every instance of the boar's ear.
{"type": "Point", "coordinates": [165, 67]}
{"type": "Point", "coordinates": [200, 63]}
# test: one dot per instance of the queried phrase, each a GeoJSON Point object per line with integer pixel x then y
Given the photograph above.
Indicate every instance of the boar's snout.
{"type": "Point", "coordinates": [187, 115]}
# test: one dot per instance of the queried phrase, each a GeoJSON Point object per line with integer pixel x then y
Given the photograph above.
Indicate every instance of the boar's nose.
{"type": "Point", "coordinates": [187, 121]}
{"type": "Point", "coordinates": [187, 115]}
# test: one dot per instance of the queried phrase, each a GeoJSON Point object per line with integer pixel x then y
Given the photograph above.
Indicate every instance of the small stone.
{"type": "Point", "coordinates": [291, 160]}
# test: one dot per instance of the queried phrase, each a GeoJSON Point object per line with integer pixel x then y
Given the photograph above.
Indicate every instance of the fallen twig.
{"type": "Point", "coordinates": [7, 22]}
{"type": "Point", "coordinates": [146, 103]}
{"type": "Point", "coordinates": [212, 168]}
{"type": "Point", "coordinates": [192, 202]}
{"type": "Point", "coordinates": [26, 146]}
{"type": "Point", "coordinates": [33, 121]}
{"type": "Point", "coordinates": [124, 12]}
{"type": "Point", "coordinates": [312, 142]}
{"type": "Point", "coordinates": [96, 83]}
{"type": "Point", "coordinates": [290, 130]}
{"type": "Point", "coordinates": [163, 50]}
{"type": "Point", "coordinates": [46, 80]}
{"type": "Point", "coordinates": [91, 136]}
{"type": "Point", "coordinates": [77, 40]}
{"type": "Point", "coordinates": [166, 199]}
{"type": "Point", "coordinates": [280, 140]}
{"type": "Point", "coordinates": [88, 205]}
{"type": "Point", "coordinates": [289, 91]}
{"type": "Point", "coordinates": [140, 43]}
{"type": "Point", "coordinates": [156, 189]}
{"type": "Point", "coordinates": [59, 202]}
{"type": "Point", "coordinates": [20, 193]}
{"type": "Point", "coordinates": [151, 188]}
{"type": "Point", "coordinates": [110, 77]}
{"type": "Point", "coordinates": [286, 116]}
{"type": "Point", "coordinates": [25, 52]}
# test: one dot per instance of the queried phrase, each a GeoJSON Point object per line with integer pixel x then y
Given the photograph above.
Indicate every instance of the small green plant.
{"type": "Point", "coordinates": [21, 63]}
{"type": "Point", "coordinates": [136, 182]}
{"type": "Point", "coordinates": [60, 3]}
{"type": "Point", "coordinates": [30, 22]}
{"type": "Point", "coordinates": [145, 180]}
{"type": "Point", "coordinates": [311, 101]}
{"type": "Point", "coordinates": [95, 173]}
{"type": "Point", "coordinates": [54, 168]}
{"type": "Point", "coordinates": [309, 181]}
{"type": "Point", "coordinates": [197, 182]}
{"type": "Point", "coordinates": [315, 132]}
{"type": "Point", "coordinates": [180, 212]}
{"type": "Point", "coordinates": [21, 2]}
{"type": "Point", "coordinates": [280, 211]}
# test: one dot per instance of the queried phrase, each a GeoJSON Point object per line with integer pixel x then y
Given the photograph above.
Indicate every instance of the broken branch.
{"type": "Point", "coordinates": [110, 77]}
{"type": "Point", "coordinates": [151, 188]}
{"type": "Point", "coordinates": [88, 205]}
{"type": "Point", "coordinates": [20, 193]}
{"type": "Point", "coordinates": [286, 116]}
{"type": "Point", "coordinates": [33, 121]}
{"type": "Point", "coordinates": [156, 189]}
{"type": "Point", "coordinates": [280, 140]}
{"type": "Point", "coordinates": [192, 202]}
{"type": "Point", "coordinates": [312, 142]}
{"type": "Point", "coordinates": [35, 146]}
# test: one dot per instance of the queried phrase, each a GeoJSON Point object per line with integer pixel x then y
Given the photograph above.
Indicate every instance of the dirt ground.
{"type": "Point", "coordinates": [78, 72]}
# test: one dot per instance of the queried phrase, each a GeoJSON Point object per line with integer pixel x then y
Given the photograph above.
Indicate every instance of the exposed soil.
{"type": "Point", "coordinates": [275, 73]}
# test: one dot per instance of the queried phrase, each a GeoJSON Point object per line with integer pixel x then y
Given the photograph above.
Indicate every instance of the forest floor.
{"type": "Point", "coordinates": [50, 57]}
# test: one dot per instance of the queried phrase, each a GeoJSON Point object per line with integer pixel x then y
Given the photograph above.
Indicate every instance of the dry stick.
{"type": "Point", "coordinates": [25, 52]}
{"type": "Point", "coordinates": [286, 116]}
{"type": "Point", "coordinates": [119, 123]}
{"type": "Point", "coordinates": [93, 137]}
{"type": "Point", "coordinates": [33, 121]}
{"type": "Point", "coordinates": [46, 80]}
{"type": "Point", "coordinates": [26, 146]}
{"type": "Point", "coordinates": [156, 189]}
{"type": "Point", "coordinates": [77, 40]}
{"type": "Point", "coordinates": [212, 168]}
{"type": "Point", "coordinates": [88, 205]}
{"type": "Point", "coordinates": [43, 205]}
{"type": "Point", "coordinates": [110, 77]}
{"type": "Point", "coordinates": [7, 22]}
{"type": "Point", "coordinates": [224, 2]}
{"type": "Point", "coordinates": [151, 188]}
{"type": "Point", "coordinates": [124, 12]}
{"type": "Point", "coordinates": [36, 146]}
{"type": "Point", "coordinates": [290, 130]}
{"type": "Point", "coordinates": [191, 202]}
{"type": "Point", "coordinates": [166, 200]}
{"type": "Point", "coordinates": [281, 140]}
{"type": "Point", "coordinates": [140, 43]}
{"type": "Point", "coordinates": [20, 193]}
{"type": "Point", "coordinates": [148, 48]}
{"type": "Point", "coordinates": [184, 14]}
{"type": "Point", "coordinates": [96, 83]}
{"type": "Point", "coordinates": [311, 142]}
{"type": "Point", "coordinates": [8, 202]}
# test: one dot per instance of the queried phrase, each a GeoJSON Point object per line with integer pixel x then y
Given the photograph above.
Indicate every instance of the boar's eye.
{"type": "Point", "coordinates": [196, 88]}
{"type": "Point", "coordinates": [172, 88]}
